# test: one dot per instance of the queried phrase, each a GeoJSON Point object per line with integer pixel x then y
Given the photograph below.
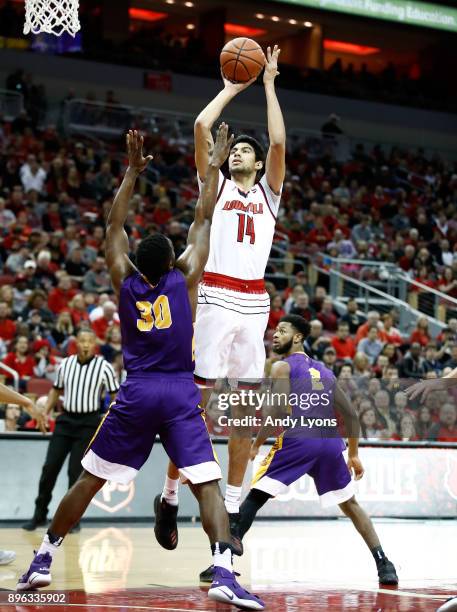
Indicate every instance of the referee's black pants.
{"type": "Point", "coordinates": [72, 434]}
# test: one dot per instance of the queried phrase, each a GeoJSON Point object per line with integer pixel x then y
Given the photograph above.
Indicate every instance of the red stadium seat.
{"type": "Point", "coordinates": [39, 386]}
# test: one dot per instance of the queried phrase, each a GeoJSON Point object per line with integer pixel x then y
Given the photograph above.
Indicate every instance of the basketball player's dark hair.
{"type": "Point", "coordinates": [255, 144]}
{"type": "Point", "coordinates": [300, 324]}
{"type": "Point", "coordinates": [153, 257]}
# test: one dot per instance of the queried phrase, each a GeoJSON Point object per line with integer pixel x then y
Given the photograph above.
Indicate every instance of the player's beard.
{"type": "Point", "coordinates": [241, 172]}
{"type": "Point", "coordinates": [285, 348]}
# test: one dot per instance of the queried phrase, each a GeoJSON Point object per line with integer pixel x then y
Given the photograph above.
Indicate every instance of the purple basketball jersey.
{"type": "Point", "coordinates": [156, 324]}
{"type": "Point", "coordinates": [312, 385]}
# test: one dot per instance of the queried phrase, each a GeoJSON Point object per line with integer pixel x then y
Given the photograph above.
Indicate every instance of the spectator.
{"type": "Point", "coordinates": [424, 422]}
{"type": "Point", "coordinates": [276, 312]}
{"type": "Point", "coordinates": [406, 429]}
{"type": "Point", "coordinates": [389, 333]}
{"type": "Point", "coordinates": [101, 325]}
{"type": "Point", "coordinates": [431, 362]}
{"type": "Point", "coordinates": [97, 279]}
{"type": "Point", "coordinates": [412, 365]}
{"type": "Point", "coordinates": [45, 363]}
{"type": "Point", "coordinates": [7, 217]}
{"type": "Point", "coordinates": [371, 346]}
{"type": "Point", "coordinates": [21, 361]}
{"type": "Point", "coordinates": [344, 247]}
{"type": "Point", "coordinates": [373, 319]}
{"type": "Point", "coordinates": [31, 282]}
{"type": "Point", "coordinates": [75, 266]}
{"type": "Point", "coordinates": [352, 317]}
{"type": "Point", "coordinates": [332, 126]}
{"type": "Point", "coordinates": [343, 343]}
{"type": "Point", "coordinates": [63, 329]}
{"type": "Point", "coordinates": [315, 343]}
{"type": "Point", "coordinates": [113, 344]}
{"type": "Point", "coordinates": [390, 351]}
{"type": "Point", "coordinates": [329, 359]}
{"type": "Point", "coordinates": [383, 412]}
{"type": "Point", "coordinates": [12, 415]}
{"type": "Point", "coordinates": [362, 232]}
{"type": "Point", "coordinates": [301, 307]}
{"type": "Point", "coordinates": [78, 310]}
{"type": "Point", "coordinates": [452, 361]}
{"type": "Point", "coordinates": [327, 315]}
{"type": "Point", "coordinates": [60, 296]}
{"type": "Point", "coordinates": [33, 176]}
{"type": "Point", "coordinates": [7, 325]}
{"type": "Point", "coordinates": [292, 298]}
{"type": "Point", "coordinates": [45, 271]}
{"type": "Point", "coordinates": [369, 425]}
{"type": "Point", "coordinates": [421, 334]}
{"type": "Point", "coordinates": [445, 430]}
{"type": "Point", "coordinates": [361, 367]}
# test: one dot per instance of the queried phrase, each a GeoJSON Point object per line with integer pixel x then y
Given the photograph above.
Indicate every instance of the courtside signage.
{"type": "Point", "coordinates": [427, 15]}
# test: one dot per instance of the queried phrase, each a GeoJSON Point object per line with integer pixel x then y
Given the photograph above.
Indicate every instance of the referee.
{"type": "Point", "coordinates": [81, 378]}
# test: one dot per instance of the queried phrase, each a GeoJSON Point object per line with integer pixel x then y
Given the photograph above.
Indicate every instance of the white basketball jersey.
{"type": "Point", "coordinates": [242, 229]}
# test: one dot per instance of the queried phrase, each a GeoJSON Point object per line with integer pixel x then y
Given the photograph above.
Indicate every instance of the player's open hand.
{"type": "Point", "coordinates": [271, 64]}
{"type": "Point", "coordinates": [222, 145]}
{"type": "Point", "coordinates": [355, 467]}
{"type": "Point", "coordinates": [422, 389]}
{"type": "Point", "coordinates": [137, 161]}
{"type": "Point", "coordinates": [235, 88]}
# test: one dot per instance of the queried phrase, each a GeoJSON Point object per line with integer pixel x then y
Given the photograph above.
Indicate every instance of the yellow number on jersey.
{"type": "Point", "coordinates": [316, 383]}
{"type": "Point", "coordinates": [157, 314]}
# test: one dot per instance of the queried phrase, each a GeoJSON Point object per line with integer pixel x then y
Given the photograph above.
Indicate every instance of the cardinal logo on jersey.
{"type": "Point", "coordinates": [450, 478]}
{"type": "Point", "coordinates": [114, 496]}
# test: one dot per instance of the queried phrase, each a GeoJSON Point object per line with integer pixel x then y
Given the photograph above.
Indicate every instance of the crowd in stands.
{"type": "Point", "coordinates": [399, 206]}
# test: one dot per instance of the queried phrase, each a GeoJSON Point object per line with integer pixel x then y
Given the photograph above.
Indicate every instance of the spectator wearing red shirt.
{"type": "Point", "coordinates": [390, 333]}
{"type": "Point", "coordinates": [20, 360]}
{"type": "Point", "coordinates": [406, 429]}
{"type": "Point", "coordinates": [7, 325]}
{"type": "Point", "coordinates": [319, 234]}
{"type": "Point", "coordinates": [343, 343]}
{"type": "Point", "coordinates": [276, 312]}
{"type": "Point", "coordinates": [101, 324]}
{"type": "Point", "coordinates": [60, 296]}
{"type": "Point", "coordinates": [78, 310]}
{"type": "Point", "coordinates": [406, 262]}
{"type": "Point", "coordinates": [446, 429]}
{"type": "Point", "coordinates": [421, 333]}
{"type": "Point", "coordinates": [448, 283]}
{"type": "Point", "coordinates": [373, 318]}
{"type": "Point", "coordinates": [327, 315]}
{"type": "Point", "coordinates": [162, 214]}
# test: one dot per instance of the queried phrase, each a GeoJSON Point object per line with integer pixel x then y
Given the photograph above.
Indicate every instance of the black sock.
{"type": "Point", "coordinates": [54, 539]}
{"type": "Point", "coordinates": [222, 547]}
{"type": "Point", "coordinates": [378, 554]}
{"type": "Point", "coordinates": [249, 508]}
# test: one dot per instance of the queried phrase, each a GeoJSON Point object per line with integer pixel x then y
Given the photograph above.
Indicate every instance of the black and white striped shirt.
{"type": "Point", "coordinates": [82, 383]}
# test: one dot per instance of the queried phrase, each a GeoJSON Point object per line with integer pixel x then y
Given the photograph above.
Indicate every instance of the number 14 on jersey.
{"type": "Point", "coordinates": [245, 228]}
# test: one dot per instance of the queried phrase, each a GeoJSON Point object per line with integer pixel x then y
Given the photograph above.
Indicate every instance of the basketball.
{"type": "Point", "coordinates": [242, 59]}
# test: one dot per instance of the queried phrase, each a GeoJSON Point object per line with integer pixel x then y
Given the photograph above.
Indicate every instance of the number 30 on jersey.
{"type": "Point", "coordinates": [157, 314]}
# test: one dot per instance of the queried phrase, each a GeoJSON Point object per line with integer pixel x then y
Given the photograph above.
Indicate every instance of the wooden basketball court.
{"type": "Point", "coordinates": [293, 565]}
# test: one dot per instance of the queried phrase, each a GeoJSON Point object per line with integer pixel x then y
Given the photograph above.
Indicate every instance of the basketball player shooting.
{"type": "Point", "coordinates": [157, 304]}
{"type": "Point", "coordinates": [233, 306]}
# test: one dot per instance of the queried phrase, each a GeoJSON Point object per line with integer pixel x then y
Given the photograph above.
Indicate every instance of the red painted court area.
{"type": "Point", "coordinates": [180, 599]}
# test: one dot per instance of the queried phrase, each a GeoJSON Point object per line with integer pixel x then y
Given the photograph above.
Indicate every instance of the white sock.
{"type": "Point", "coordinates": [222, 559]}
{"type": "Point", "coordinates": [170, 491]}
{"type": "Point", "coordinates": [232, 499]}
{"type": "Point", "coordinates": [48, 547]}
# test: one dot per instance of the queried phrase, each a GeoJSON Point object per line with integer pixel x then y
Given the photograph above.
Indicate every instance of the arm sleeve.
{"type": "Point", "coordinates": [273, 199]}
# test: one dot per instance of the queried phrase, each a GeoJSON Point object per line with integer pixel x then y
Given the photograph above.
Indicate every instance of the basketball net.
{"type": "Point", "coordinates": [51, 16]}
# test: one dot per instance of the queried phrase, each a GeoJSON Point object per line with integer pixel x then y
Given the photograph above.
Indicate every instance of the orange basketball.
{"type": "Point", "coordinates": [242, 59]}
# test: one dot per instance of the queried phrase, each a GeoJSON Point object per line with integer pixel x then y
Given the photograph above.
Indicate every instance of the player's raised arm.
{"type": "Point", "coordinates": [352, 425]}
{"type": "Point", "coordinates": [194, 258]}
{"type": "Point", "coordinates": [202, 128]}
{"type": "Point", "coordinates": [117, 246]}
{"type": "Point", "coordinates": [275, 167]}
